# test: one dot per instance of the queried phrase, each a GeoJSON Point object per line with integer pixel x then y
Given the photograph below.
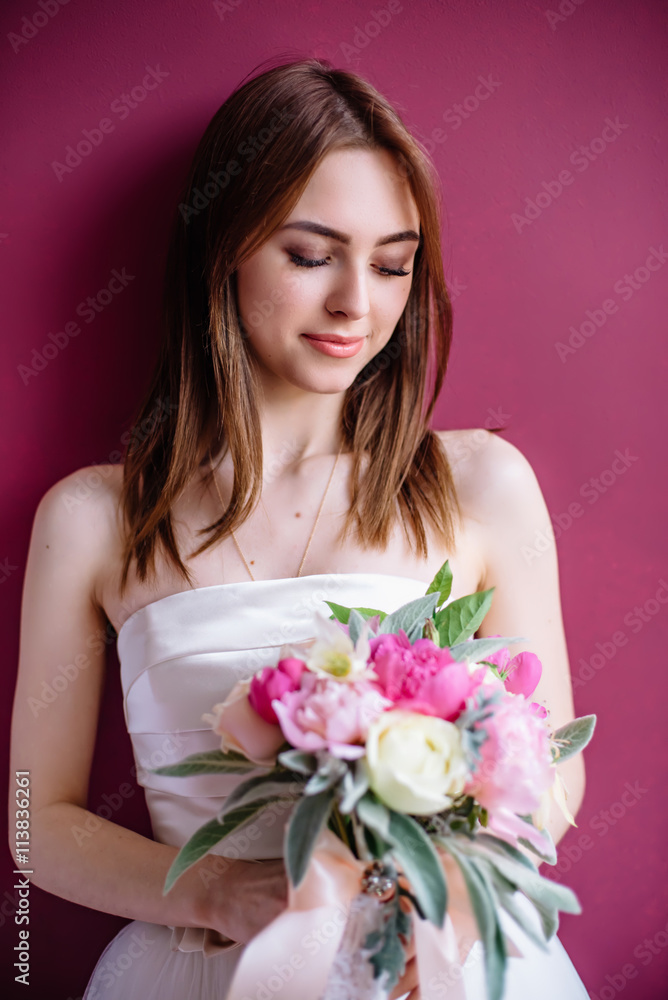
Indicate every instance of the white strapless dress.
{"type": "Point", "coordinates": [179, 656]}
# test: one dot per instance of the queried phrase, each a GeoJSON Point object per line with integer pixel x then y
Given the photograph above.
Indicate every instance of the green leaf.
{"type": "Point", "coordinates": [410, 616]}
{"type": "Point", "coordinates": [442, 583]}
{"type": "Point", "coordinates": [355, 624]}
{"type": "Point", "coordinates": [576, 735]}
{"type": "Point", "coordinates": [270, 785]}
{"type": "Point", "coordinates": [506, 897]}
{"type": "Point", "coordinates": [477, 649]}
{"type": "Point", "coordinates": [208, 836]}
{"type": "Point", "coordinates": [297, 760]}
{"type": "Point", "coordinates": [210, 762]}
{"type": "Point", "coordinates": [306, 822]}
{"type": "Point", "coordinates": [414, 852]}
{"type": "Point", "coordinates": [459, 620]}
{"type": "Point", "coordinates": [544, 893]}
{"type": "Point", "coordinates": [548, 897]}
{"type": "Point", "coordinates": [355, 784]}
{"type": "Point", "coordinates": [374, 815]}
{"type": "Point", "coordinates": [549, 854]}
{"type": "Point", "coordinates": [389, 955]}
{"type": "Point", "coordinates": [342, 613]}
{"type": "Point", "coordinates": [500, 846]}
{"type": "Point", "coordinates": [329, 774]}
{"type": "Point", "coordinates": [486, 916]}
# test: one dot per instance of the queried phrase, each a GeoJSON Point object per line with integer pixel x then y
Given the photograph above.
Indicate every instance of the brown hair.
{"type": "Point", "coordinates": [282, 123]}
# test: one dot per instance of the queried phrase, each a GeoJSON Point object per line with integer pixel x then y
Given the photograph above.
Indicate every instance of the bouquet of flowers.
{"type": "Point", "coordinates": [407, 740]}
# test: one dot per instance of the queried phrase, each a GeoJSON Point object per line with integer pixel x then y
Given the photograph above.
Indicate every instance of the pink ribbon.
{"type": "Point", "coordinates": [295, 952]}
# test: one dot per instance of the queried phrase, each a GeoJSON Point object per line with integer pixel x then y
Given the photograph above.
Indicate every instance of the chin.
{"type": "Point", "coordinates": [322, 382]}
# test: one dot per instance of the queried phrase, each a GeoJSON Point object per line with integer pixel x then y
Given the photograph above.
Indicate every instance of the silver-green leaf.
{"type": "Point", "coordinates": [409, 616]}
{"type": "Point", "coordinates": [208, 836]}
{"type": "Point", "coordinates": [415, 853]}
{"type": "Point", "coordinates": [477, 649]}
{"type": "Point", "coordinates": [306, 823]}
{"type": "Point", "coordinates": [276, 784]}
{"type": "Point", "coordinates": [574, 736]}
{"type": "Point", "coordinates": [209, 762]}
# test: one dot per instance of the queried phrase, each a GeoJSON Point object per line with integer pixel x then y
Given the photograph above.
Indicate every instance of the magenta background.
{"type": "Point", "coordinates": [60, 240]}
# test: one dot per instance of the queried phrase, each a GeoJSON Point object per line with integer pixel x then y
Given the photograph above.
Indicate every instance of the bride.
{"type": "Point", "coordinates": [307, 328]}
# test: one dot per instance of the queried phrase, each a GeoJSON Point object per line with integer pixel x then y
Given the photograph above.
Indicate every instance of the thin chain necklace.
{"type": "Point", "coordinates": [317, 518]}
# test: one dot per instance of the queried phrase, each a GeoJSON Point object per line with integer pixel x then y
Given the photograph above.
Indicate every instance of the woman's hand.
{"type": "Point", "coordinates": [244, 896]}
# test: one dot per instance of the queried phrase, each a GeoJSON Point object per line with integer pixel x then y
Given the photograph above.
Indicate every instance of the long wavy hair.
{"type": "Point", "coordinates": [249, 170]}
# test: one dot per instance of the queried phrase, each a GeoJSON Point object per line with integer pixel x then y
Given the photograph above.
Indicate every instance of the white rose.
{"type": "Point", "coordinates": [415, 762]}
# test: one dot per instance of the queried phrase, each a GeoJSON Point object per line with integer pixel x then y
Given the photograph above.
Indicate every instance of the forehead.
{"type": "Point", "coordinates": [360, 192]}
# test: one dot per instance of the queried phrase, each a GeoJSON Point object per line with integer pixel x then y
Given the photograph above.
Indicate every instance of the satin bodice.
{"type": "Point", "coordinates": [183, 653]}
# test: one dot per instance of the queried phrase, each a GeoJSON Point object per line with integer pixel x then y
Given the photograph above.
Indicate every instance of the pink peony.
{"type": "Point", "coordinates": [327, 715]}
{"type": "Point", "coordinates": [273, 682]}
{"type": "Point", "coordinates": [516, 766]}
{"type": "Point", "coordinates": [524, 670]}
{"type": "Point", "coordinates": [421, 677]}
{"type": "Point", "coordinates": [243, 730]}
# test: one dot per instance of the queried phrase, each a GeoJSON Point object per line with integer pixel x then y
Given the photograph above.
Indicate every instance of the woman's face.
{"type": "Point", "coordinates": [351, 278]}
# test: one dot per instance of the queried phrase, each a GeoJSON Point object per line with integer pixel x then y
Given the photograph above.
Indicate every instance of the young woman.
{"type": "Point", "coordinates": [307, 330]}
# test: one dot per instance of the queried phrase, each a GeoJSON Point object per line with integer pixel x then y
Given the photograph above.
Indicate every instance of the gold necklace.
{"type": "Point", "coordinates": [317, 517]}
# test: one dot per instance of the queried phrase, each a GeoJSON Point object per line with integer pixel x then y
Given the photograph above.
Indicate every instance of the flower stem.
{"type": "Point", "coordinates": [340, 829]}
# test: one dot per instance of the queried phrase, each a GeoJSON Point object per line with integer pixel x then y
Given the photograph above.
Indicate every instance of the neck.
{"type": "Point", "coordinates": [294, 426]}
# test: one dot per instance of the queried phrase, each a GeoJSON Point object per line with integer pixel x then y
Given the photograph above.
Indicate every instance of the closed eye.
{"type": "Point", "coordinates": [300, 261]}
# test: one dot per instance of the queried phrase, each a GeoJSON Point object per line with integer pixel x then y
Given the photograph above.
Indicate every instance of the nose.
{"type": "Point", "coordinates": [349, 295]}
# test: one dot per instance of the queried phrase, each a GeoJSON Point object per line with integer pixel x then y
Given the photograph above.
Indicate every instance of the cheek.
{"type": "Point", "coordinates": [268, 297]}
{"type": "Point", "coordinates": [391, 304]}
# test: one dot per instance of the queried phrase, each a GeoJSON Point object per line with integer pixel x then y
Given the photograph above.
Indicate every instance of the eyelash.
{"type": "Point", "coordinates": [387, 272]}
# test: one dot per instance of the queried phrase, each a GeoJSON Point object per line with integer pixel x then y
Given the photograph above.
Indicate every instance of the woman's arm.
{"type": "Point", "coordinates": [506, 501]}
{"type": "Point", "coordinates": [114, 870]}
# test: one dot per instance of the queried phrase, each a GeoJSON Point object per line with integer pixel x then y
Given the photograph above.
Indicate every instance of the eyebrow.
{"type": "Point", "coordinates": [405, 236]}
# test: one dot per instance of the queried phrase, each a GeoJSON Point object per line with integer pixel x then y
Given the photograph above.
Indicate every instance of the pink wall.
{"type": "Point", "coordinates": [591, 259]}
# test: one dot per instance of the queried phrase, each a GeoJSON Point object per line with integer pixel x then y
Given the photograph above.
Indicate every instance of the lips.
{"type": "Point", "coordinates": [335, 345]}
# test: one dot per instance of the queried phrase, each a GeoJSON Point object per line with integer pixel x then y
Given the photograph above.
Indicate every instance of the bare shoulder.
{"type": "Point", "coordinates": [77, 521]}
{"type": "Point", "coordinates": [493, 478]}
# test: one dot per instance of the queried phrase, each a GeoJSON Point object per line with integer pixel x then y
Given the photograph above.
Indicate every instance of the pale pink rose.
{"type": "Point", "coordinates": [243, 730]}
{"type": "Point", "coordinates": [422, 677]}
{"type": "Point", "coordinates": [273, 682]}
{"type": "Point", "coordinates": [327, 715]}
{"type": "Point", "coordinates": [516, 766]}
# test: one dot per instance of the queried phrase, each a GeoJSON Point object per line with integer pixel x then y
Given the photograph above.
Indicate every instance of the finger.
{"type": "Point", "coordinates": [408, 981]}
